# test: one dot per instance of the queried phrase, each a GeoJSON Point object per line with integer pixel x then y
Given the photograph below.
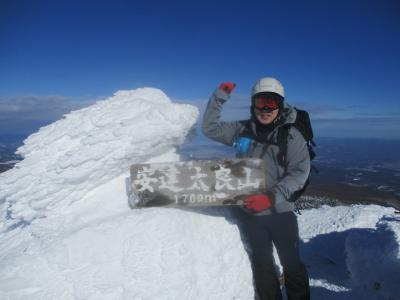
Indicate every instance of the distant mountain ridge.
{"type": "Point", "coordinates": [8, 145]}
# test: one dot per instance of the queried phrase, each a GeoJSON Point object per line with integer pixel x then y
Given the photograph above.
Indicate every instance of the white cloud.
{"type": "Point", "coordinates": [328, 120]}
{"type": "Point", "coordinates": [25, 114]}
{"type": "Point", "coordinates": [39, 107]}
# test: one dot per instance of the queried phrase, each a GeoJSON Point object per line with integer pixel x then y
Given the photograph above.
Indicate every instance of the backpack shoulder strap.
{"type": "Point", "coordinates": [246, 130]}
{"type": "Point", "coordinates": [282, 139]}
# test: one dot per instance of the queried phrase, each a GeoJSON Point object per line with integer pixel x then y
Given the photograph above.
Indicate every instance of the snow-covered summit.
{"type": "Point", "coordinates": [67, 231]}
{"type": "Point", "coordinates": [88, 147]}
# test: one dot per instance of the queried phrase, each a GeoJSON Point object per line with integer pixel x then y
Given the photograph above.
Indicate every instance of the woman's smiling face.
{"type": "Point", "coordinates": [264, 117]}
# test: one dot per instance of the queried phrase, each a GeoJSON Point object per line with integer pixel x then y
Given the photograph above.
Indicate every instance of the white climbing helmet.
{"type": "Point", "coordinates": [268, 84]}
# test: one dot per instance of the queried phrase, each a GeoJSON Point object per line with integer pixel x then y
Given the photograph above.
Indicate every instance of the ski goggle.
{"type": "Point", "coordinates": [266, 104]}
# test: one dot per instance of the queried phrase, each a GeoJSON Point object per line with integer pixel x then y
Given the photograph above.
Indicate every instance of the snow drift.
{"type": "Point", "coordinates": [65, 160]}
{"type": "Point", "coordinates": [67, 231]}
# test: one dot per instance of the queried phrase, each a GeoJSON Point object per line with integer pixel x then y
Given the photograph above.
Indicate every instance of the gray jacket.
{"type": "Point", "coordinates": [280, 185]}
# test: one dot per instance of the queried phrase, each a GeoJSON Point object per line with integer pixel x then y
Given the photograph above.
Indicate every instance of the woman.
{"type": "Point", "coordinates": [268, 218]}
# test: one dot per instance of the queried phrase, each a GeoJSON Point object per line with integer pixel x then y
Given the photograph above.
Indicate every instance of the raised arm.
{"type": "Point", "coordinates": [213, 127]}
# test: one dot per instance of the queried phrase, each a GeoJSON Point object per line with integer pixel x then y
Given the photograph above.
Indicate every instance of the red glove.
{"type": "Point", "coordinates": [227, 87]}
{"type": "Point", "coordinates": [258, 202]}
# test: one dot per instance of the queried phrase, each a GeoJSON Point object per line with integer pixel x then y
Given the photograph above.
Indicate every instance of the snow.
{"type": "Point", "coordinates": [103, 250]}
{"type": "Point", "coordinates": [352, 251]}
{"type": "Point", "coordinates": [67, 231]}
{"type": "Point", "coordinates": [67, 159]}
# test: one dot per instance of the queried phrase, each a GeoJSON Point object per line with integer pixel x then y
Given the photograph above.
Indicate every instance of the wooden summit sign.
{"type": "Point", "coordinates": [195, 183]}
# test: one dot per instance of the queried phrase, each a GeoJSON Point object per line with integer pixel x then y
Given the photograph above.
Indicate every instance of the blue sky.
{"type": "Point", "coordinates": [338, 59]}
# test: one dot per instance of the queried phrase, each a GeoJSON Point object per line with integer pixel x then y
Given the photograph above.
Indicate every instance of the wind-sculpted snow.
{"type": "Point", "coordinates": [65, 160]}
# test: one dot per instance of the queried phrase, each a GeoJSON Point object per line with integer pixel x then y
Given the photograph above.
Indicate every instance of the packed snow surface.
{"type": "Point", "coordinates": [67, 231]}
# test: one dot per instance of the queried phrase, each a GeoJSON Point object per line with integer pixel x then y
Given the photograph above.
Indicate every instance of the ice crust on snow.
{"type": "Point", "coordinates": [68, 232]}
{"type": "Point", "coordinates": [67, 159]}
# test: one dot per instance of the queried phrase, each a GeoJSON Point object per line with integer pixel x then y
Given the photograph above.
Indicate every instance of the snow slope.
{"type": "Point", "coordinates": [67, 231]}
{"type": "Point", "coordinates": [100, 249]}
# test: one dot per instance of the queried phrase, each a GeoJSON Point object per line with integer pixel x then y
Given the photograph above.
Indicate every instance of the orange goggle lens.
{"type": "Point", "coordinates": [266, 104]}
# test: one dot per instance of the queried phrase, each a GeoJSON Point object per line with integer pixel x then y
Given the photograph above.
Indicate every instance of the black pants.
{"type": "Point", "coordinates": [259, 232]}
